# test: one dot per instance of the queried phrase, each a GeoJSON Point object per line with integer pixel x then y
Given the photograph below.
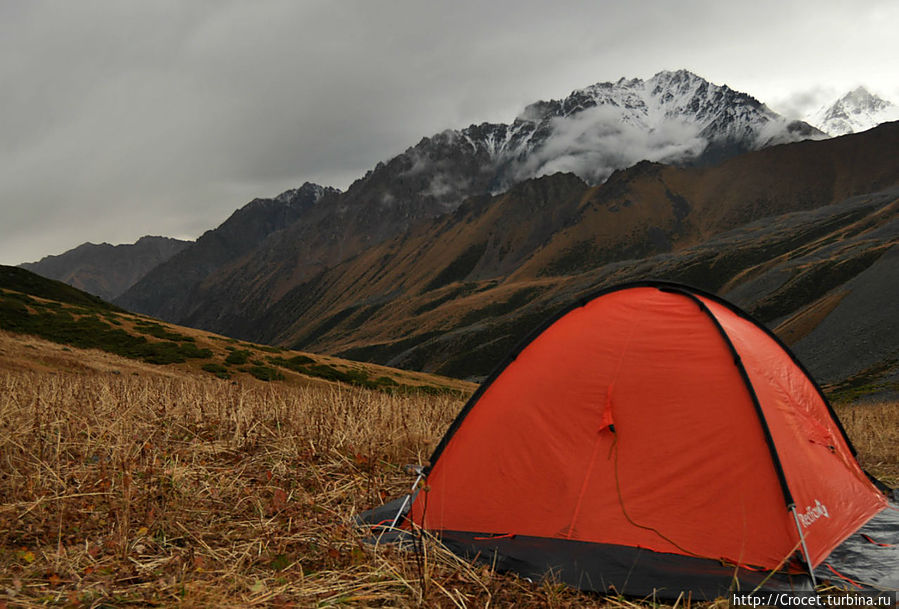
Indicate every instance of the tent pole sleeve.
{"type": "Point", "coordinates": [808, 560]}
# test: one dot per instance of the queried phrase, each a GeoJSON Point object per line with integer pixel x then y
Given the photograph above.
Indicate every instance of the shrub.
{"type": "Point", "coordinates": [265, 373]}
{"type": "Point", "coordinates": [218, 370]}
{"type": "Point", "coordinates": [296, 363]}
{"type": "Point", "coordinates": [159, 331]}
{"type": "Point", "coordinates": [238, 357]}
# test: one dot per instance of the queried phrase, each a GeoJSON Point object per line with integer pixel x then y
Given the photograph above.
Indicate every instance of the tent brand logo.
{"type": "Point", "coordinates": [813, 513]}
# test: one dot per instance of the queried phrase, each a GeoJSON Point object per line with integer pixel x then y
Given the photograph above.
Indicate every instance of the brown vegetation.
{"type": "Point", "coordinates": [874, 429]}
{"type": "Point", "coordinates": [123, 490]}
{"type": "Point", "coordinates": [141, 491]}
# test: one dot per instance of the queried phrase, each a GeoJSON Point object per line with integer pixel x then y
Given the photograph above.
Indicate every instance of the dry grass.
{"type": "Point", "coordinates": [121, 491]}
{"type": "Point", "coordinates": [136, 491]}
{"type": "Point", "coordinates": [874, 430]}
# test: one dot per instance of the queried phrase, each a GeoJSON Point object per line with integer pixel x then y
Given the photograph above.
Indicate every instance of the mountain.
{"type": "Point", "coordinates": [675, 117]}
{"type": "Point", "coordinates": [778, 230]}
{"type": "Point", "coordinates": [168, 289]}
{"type": "Point", "coordinates": [857, 110]}
{"type": "Point", "coordinates": [107, 270]}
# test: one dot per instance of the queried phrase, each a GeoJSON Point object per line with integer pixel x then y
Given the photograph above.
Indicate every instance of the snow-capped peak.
{"type": "Point", "coordinates": [307, 194]}
{"type": "Point", "coordinates": [673, 117]}
{"type": "Point", "coordinates": [857, 110]}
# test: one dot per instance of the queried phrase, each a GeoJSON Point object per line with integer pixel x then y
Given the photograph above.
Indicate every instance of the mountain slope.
{"type": "Point", "coordinates": [166, 291]}
{"type": "Point", "coordinates": [26, 282]}
{"type": "Point", "coordinates": [107, 270]}
{"type": "Point", "coordinates": [454, 295]}
{"type": "Point", "coordinates": [778, 268]}
{"type": "Point", "coordinates": [555, 226]}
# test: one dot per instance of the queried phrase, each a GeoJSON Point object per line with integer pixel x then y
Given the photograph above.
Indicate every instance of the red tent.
{"type": "Point", "coordinates": [650, 438]}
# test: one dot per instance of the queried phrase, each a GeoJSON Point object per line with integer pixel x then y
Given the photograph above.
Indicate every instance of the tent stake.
{"type": "Point", "coordinates": [808, 560]}
{"type": "Point", "coordinates": [406, 500]}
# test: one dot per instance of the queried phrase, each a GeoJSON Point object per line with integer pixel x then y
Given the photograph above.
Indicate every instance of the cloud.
{"type": "Point", "coordinates": [111, 108]}
{"type": "Point", "coordinates": [801, 104]}
{"type": "Point", "coordinates": [596, 141]}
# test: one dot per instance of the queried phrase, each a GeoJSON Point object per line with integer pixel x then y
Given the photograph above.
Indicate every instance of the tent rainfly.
{"type": "Point", "coordinates": [654, 439]}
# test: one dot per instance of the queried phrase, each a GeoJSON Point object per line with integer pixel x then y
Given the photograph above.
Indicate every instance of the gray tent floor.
{"type": "Point", "coordinates": [867, 560]}
{"type": "Point", "coordinates": [869, 557]}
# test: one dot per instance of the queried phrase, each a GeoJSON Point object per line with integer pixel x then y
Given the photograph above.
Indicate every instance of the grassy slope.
{"type": "Point", "coordinates": [32, 305]}
{"type": "Point", "coordinates": [19, 280]}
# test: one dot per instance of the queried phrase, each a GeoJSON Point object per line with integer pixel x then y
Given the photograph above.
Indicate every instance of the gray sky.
{"type": "Point", "coordinates": [121, 119]}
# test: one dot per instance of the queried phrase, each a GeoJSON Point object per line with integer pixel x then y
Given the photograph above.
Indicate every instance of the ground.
{"type": "Point", "coordinates": [126, 484]}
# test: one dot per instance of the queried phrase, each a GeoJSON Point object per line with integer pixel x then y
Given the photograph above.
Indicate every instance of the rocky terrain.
{"type": "Point", "coordinates": [793, 268]}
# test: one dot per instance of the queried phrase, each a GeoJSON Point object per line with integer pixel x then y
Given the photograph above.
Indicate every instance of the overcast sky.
{"type": "Point", "coordinates": [121, 119]}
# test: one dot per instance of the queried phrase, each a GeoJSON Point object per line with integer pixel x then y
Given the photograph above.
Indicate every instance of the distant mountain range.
{"type": "Point", "coordinates": [443, 256]}
{"type": "Point", "coordinates": [107, 270]}
{"type": "Point", "coordinates": [170, 288]}
{"type": "Point", "coordinates": [674, 117]}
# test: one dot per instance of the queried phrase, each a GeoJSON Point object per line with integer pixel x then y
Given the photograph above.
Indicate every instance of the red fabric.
{"type": "Point", "coordinates": [833, 495]}
{"type": "Point", "coordinates": [686, 469]}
